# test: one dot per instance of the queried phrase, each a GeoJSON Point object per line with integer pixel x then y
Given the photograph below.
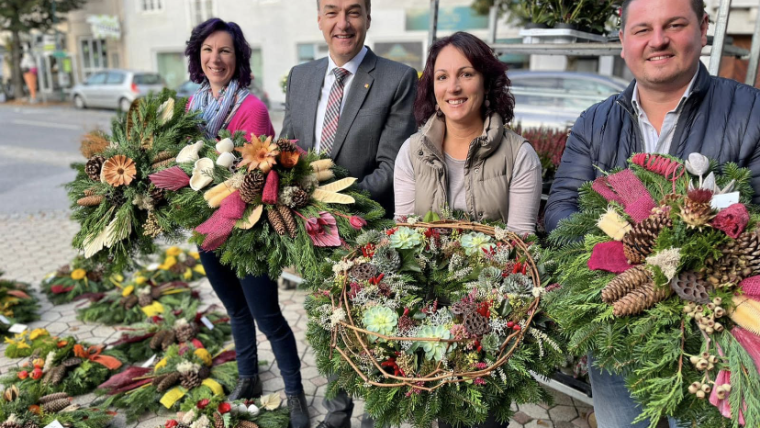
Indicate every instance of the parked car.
{"type": "Point", "coordinates": [115, 88]}
{"type": "Point", "coordinates": [188, 88]}
{"type": "Point", "coordinates": [555, 99]}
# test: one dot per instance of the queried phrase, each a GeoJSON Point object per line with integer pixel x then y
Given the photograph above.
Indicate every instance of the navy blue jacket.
{"type": "Point", "coordinates": [721, 120]}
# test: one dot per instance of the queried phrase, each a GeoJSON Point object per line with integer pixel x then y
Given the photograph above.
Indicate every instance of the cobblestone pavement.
{"type": "Point", "coordinates": [34, 245]}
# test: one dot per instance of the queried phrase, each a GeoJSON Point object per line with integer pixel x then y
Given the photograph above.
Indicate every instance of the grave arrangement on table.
{"type": "Point", "coordinates": [18, 305]}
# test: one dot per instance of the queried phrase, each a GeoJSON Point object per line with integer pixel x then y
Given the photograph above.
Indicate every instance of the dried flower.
{"type": "Point", "coordinates": [119, 170]}
{"type": "Point", "coordinates": [259, 154]}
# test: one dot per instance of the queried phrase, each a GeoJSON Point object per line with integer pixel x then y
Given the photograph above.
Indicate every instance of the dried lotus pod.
{"type": "Point", "coordinates": [691, 286]}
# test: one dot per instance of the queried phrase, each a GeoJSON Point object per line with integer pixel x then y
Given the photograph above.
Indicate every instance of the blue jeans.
{"type": "Point", "coordinates": [255, 298]}
{"type": "Point", "coordinates": [613, 405]}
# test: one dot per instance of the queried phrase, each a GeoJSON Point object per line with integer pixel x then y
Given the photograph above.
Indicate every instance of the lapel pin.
{"type": "Point", "coordinates": [366, 86]}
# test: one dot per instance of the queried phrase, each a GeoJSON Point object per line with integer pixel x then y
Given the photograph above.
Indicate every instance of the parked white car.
{"type": "Point", "coordinates": [115, 88]}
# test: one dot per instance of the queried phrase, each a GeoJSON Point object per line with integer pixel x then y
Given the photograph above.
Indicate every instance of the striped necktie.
{"type": "Point", "coordinates": [332, 113]}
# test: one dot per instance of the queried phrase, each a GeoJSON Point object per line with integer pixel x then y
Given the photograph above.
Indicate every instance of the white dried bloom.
{"type": "Point", "coordinates": [538, 291]}
{"type": "Point", "coordinates": [337, 317]}
{"type": "Point", "coordinates": [188, 418]}
{"type": "Point", "coordinates": [181, 322]}
{"type": "Point", "coordinates": [143, 291]}
{"type": "Point", "coordinates": [667, 261]}
{"type": "Point", "coordinates": [48, 362]}
{"type": "Point", "coordinates": [202, 422]}
{"type": "Point", "coordinates": [342, 266]}
{"type": "Point", "coordinates": [500, 234]}
{"type": "Point", "coordinates": [236, 181]}
{"type": "Point", "coordinates": [188, 367]}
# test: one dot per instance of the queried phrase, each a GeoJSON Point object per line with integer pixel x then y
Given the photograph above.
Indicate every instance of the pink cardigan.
{"type": "Point", "coordinates": [252, 118]}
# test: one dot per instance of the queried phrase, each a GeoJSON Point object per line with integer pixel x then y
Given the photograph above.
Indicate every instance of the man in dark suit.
{"type": "Point", "coordinates": [353, 104]}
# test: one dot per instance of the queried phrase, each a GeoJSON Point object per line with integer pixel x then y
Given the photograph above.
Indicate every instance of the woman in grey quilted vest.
{"type": "Point", "coordinates": [463, 157]}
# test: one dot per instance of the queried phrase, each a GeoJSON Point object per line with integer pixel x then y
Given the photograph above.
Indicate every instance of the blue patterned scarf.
{"type": "Point", "coordinates": [215, 112]}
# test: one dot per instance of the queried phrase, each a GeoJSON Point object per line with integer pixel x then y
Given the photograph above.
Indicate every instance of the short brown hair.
{"type": "Point", "coordinates": [697, 5]}
{"type": "Point", "coordinates": [367, 4]}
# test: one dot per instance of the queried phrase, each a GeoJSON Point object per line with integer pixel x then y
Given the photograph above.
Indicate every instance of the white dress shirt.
{"type": "Point", "coordinates": [352, 67]}
{"type": "Point", "coordinates": [654, 142]}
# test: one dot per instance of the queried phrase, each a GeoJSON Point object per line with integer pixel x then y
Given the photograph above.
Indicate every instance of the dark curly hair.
{"type": "Point", "coordinates": [483, 60]}
{"type": "Point", "coordinates": [242, 50]}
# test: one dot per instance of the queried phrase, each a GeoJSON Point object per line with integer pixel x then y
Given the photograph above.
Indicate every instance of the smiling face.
{"type": "Point", "coordinates": [458, 87]}
{"type": "Point", "coordinates": [662, 41]}
{"type": "Point", "coordinates": [218, 59]}
{"type": "Point", "coordinates": [344, 24]}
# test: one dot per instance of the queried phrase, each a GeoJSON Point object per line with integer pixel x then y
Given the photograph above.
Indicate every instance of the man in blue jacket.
{"type": "Point", "coordinates": [673, 107]}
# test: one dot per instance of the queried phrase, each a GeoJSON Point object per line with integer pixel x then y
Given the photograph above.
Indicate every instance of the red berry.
{"type": "Point", "coordinates": [510, 324]}
{"type": "Point", "coordinates": [517, 328]}
{"type": "Point", "coordinates": [36, 373]}
{"type": "Point", "coordinates": [203, 403]}
{"type": "Point", "coordinates": [224, 408]}
{"type": "Point", "coordinates": [171, 423]}
{"type": "Point", "coordinates": [23, 374]}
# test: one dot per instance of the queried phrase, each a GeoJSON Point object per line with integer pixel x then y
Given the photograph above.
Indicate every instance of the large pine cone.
{"type": "Point", "coordinates": [300, 198]}
{"type": "Point", "coordinates": [185, 332]}
{"type": "Point", "coordinates": [691, 286]}
{"type": "Point", "coordinates": [71, 362]}
{"type": "Point", "coordinates": [93, 167]}
{"type": "Point", "coordinates": [246, 424]}
{"type": "Point", "coordinates": [253, 185]}
{"type": "Point", "coordinates": [168, 381]}
{"type": "Point", "coordinates": [95, 275]}
{"type": "Point", "coordinates": [30, 424]}
{"type": "Point", "coordinates": [638, 243]}
{"type": "Point", "coordinates": [741, 259]}
{"type": "Point", "coordinates": [64, 270]}
{"type": "Point", "coordinates": [624, 283]}
{"type": "Point", "coordinates": [56, 406]}
{"type": "Point", "coordinates": [286, 146]}
{"type": "Point", "coordinates": [10, 425]}
{"type": "Point", "coordinates": [52, 397]}
{"type": "Point", "coordinates": [218, 420]}
{"type": "Point", "coordinates": [288, 219]}
{"type": "Point", "coordinates": [55, 375]}
{"type": "Point", "coordinates": [168, 340]}
{"type": "Point", "coordinates": [190, 380]}
{"type": "Point", "coordinates": [476, 324]}
{"type": "Point", "coordinates": [363, 272]}
{"type": "Point", "coordinates": [157, 339]}
{"type": "Point", "coordinates": [640, 299]}
{"type": "Point", "coordinates": [276, 221]}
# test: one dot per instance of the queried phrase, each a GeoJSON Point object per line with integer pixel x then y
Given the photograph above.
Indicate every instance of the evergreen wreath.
{"type": "Point", "coordinates": [438, 320]}
{"type": "Point", "coordinates": [81, 277]}
{"type": "Point", "coordinates": [275, 206]}
{"type": "Point", "coordinates": [184, 375]}
{"type": "Point", "coordinates": [119, 212]}
{"type": "Point", "coordinates": [17, 304]}
{"type": "Point", "coordinates": [660, 286]}
{"type": "Point", "coordinates": [63, 365]}
{"type": "Point", "coordinates": [33, 410]}
{"type": "Point", "coordinates": [216, 412]}
{"type": "Point", "coordinates": [182, 324]}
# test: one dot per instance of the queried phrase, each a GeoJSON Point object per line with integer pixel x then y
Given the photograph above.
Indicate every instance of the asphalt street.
{"type": "Point", "coordinates": [37, 146]}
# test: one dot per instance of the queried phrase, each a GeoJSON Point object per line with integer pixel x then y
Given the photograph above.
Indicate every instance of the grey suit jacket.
{"type": "Point", "coordinates": [376, 120]}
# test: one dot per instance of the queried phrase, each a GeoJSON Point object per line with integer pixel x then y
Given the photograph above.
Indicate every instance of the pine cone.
{"type": "Point", "coordinates": [284, 145]}
{"type": "Point", "coordinates": [696, 210]}
{"type": "Point", "coordinates": [363, 272]}
{"type": "Point", "coordinates": [639, 241]}
{"type": "Point", "coordinates": [116, 198]}
{"type": "Point", "coordinates": [156, 194]}
{"type": "Point", "coordinates": [185, 332]}
{"type": "Point", "coordinates": [276, 221]}
{"type": "Point", "coordinates": [691, 286]}
{"type": "Point", "coordinates": [190, 262]}
{"type": "Point", "coordinates": [144, 300]}
{"type": "Point", "coordinates": [162, 156]}
{"type": "Point", "coordinates": [218, 420]}
{"type": "Point", "coordinates": [30, 424]}
{"type": "Point", "coordinates": [182, 426]}
{"type": "Point", "coordinates": [90, 201]}
{"type": "Point", "coordinates": [741, 259]}
{"type": "Point", "coordinates": [168, 340]}
{"type": "Point", "coordinates": [93, 167]}
{"type": "Point", "coordinates": [95, 275]}
{"type": "Point", "coordinates": [300, 198]}
{"type": "Point", "coordinates": [71, 362]}
{"type": "Point", "coordinates": [55, 375]}
{"type": "Point", "coordinates": [10, 425]}
{"type": "Point", "coordinates": [253, 185]}
{"type": "Point", "coordinates": [246, 424]}
{"type": "Point", "coordinates": [476, 324]}
{"type": "Point", "coordinates": [52, 397]}
{"type": "Point", "coordinates": [463, 308]}
{"type": "Point", "coordinates": [64, 270]}
{"type": "Point", "coordinates": [56, 406]}
{"type": "Point", "coordinates": [640, 299]}
{"type": "Point", "coordinates": [129, 301]}
{"type": "Point", "coordinates": [624, 283]}
{"type": "Point", "coordinates": [288, 219]}
{"type": "Point", "coordinates": [163, 163]}
{"type": "Point", "coordinates": [158, 379]}
{"type": "Point", "coordinates": [190, 380]}
{"type": "Point", "coordinates": [157, 339]}
{"type": "Point", "coordinates": [204, 372]}
{"type": "Point", "coordinates": [167, 382]}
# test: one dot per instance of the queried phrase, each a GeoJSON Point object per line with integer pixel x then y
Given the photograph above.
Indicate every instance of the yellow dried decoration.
{"type": "Point", "coordinates": [613, 225]}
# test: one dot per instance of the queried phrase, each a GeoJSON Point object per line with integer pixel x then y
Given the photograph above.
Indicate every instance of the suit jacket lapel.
{"type": "Point", "coordinates": [360, 87]}
{"type": "Point", "coordinates": [312, 88]}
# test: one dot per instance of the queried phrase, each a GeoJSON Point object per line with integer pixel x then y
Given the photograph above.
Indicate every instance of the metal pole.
{"type": "Point", "coordinates": [721, 23]}
{"type": "Point", "coordinates": [754, 55]}
{"type": "Point", "coordinates": [433, 28]}
{"type": "Point", "coordinates": [493, 22]}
